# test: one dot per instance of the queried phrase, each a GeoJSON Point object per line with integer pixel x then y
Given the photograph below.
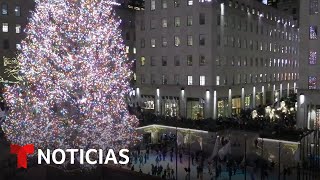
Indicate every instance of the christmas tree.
{"type": "Point", "coordinates": [75, 78]}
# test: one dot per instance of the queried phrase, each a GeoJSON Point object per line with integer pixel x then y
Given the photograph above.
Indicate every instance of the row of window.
{"type": "Point", "coordinates": [236, 79]}
{"type": "Point", "coordinates": [176, 79]}
{"type": "Point", "coordinates": [164, 4]}
{"type": "Point", "coordinates": [257, 12]}
{"type": "Point", "coordinates": [243, 61]}
{"type": "Point", "coordinates": [177, 22]}
{"type": "Point", "coordinates": [5, 28]}
{"type": "Point", "coordinates": [223, 61]}
{"type": "Point", "coordinates": [243, 25]}
{"type": "Point", "coordinates": [231, 41]}
{"type": "Point", "coordinates": [177, 60]}
{"type": "Point", "coordinates": [257, 78]}
{"type": "Point", "coordinates": [5, 10]}
{"type": "Point", "coordinates": [177, 41]}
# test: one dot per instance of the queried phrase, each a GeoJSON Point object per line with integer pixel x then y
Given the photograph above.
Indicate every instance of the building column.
{"type": "Point", "coordinates": [288, 89]}
{"type": "Point", "coordinates": [302, 112]}
{"type": "Point", "coordinates": [264, 99]}
{"type": "Point", "coordinates": [280, 94]}
{"type": "Point", "coordinates": [215, 105]}
{"type": "Point", "coordinates": [138, 96]}
{"type": "Point", "coordinates": [242, 98]}
{"type": "Point", "coordinates": [158, 103]}
{"type": "Point", "coordinates": [207, 104]}
{"type": "Point", "coordinates": [295, 87]}
{"type": "Point", "coordinates": [254, 97]}
{"type": "Point", "coordinates": [229, 103]}
{"type": "Point", "coordinates": [273, 93]}
{"type": "Point", "coordinates": [183, 103]}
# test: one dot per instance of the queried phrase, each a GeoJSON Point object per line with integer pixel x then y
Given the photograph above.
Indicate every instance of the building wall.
{"type": "Point", "coordinates": [309, 93]}
{"type": "Point", "coordinates": [251, 48]}
{"type": "Point", "coordinates": [291, 7]}
{"type": "Point", "coordinates": [9, 40]}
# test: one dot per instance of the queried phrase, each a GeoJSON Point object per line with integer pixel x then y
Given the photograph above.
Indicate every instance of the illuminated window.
{"type": "Point", "coordinates": [176, 41]}
{"type": "Point", "coordinates": [127, 49]}
{"type": "Point", "coordinates": [312, 82]}
{"type": "Point", "coordinates": [134, 50]}
{"type": "Point", "coordinates": [218, 80]}
{"type": "Point", "coordinates": [164, 4]}
{"type": "Point", "coordinates": [177, 21]}
{"type": "Point", "coordinates": [164, 79]}
{"type": "Point", "coordinates": [312, 57]}
{"type": "Point", "coordinates": [153, 5]}
{"type": "Point", "coordinates": [142, 60]}
{"type": "Point", "coordinates": [164, 23]}
{"type": "Point", "coordinates": [189, 80]}
{"type": "Point", "coordinates": [202, 80]}
{"type": "Point", "coordinates": [4, 9]}
{"type": "Point", "coordinates": [153, 43]}
{"type": "Point", "coordinates": [190, 41]}
{"type": "Point", "coordinates": [18, 46]}
{"type": "Point", "coordinates": [5, 27]}
{"type": "Point", "coordinates": [313, 32]}
{"type": "Point", "coordinates": [189, 21]}
{"type": "Point", "coordinates": [164, 42]}
{"type": "Point", "coordinates": [190, 2]}
{"type": "Point", "coordinates": [17, 11]}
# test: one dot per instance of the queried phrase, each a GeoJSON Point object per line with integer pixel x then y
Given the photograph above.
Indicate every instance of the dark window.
{"type": "Point", "coordinates": [127, 36]}
{"type": "Point", "coordinates": [202, 19]}
{"type": "Point", "coordinates": [6, 44]}
{"type": "Point", "coordinates": [4, 9]}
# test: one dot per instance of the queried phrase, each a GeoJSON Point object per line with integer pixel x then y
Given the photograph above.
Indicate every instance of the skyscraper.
{"type": "Point", "coordinates": [202, 59]}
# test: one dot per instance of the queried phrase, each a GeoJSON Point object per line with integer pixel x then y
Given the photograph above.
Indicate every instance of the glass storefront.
{"type": "Point", "coordinates": [247, 101]}
{"type": "Point", "coordinates": [147, 102]}
{"type": "Point", "coordinates": [170, 106]}
{"type": "Point", "coordinates": [259, 99]}
{"type": "Point", "coordinates": [236, 105]}
{"type": "Point", "coordinates": [222, 107]}
{"type": "Point", "coordinates": [195, 107]}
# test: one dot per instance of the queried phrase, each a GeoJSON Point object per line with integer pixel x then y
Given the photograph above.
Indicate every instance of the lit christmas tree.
{"type": "Point", "coordinates": [75, 78]}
